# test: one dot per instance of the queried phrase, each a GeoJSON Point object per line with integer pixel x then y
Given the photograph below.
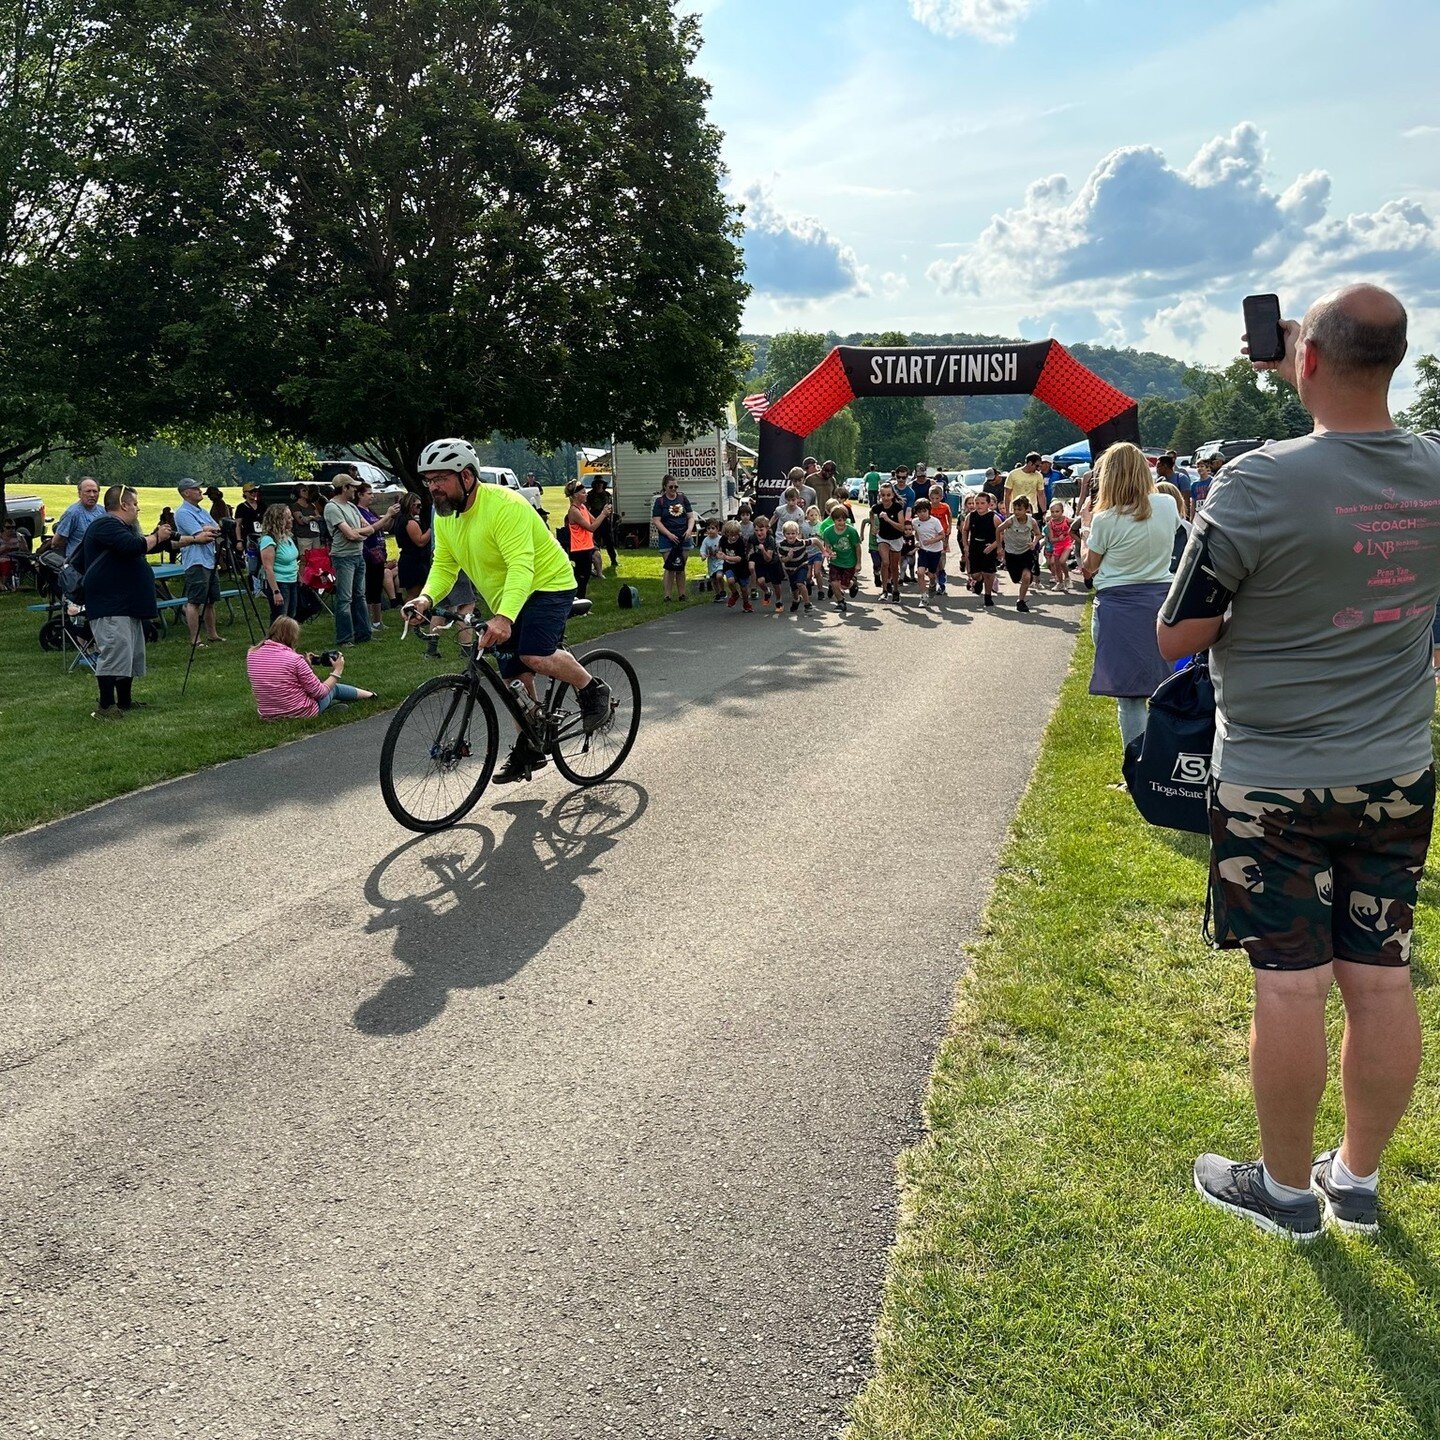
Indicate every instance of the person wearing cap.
{"type": "Point", "coordinates": [597, 501]}
{"type": "Point", "coordinates": [197, 532]}
{"type": "Point", "coordinates": [581, 528]}
{"type": "Point", "coordinates": [349, 530]}
{"type": "Point", "coordinates": [248, 514]}
{"type": "Point", "coordinates": [994, 485]}
{"type": "Point", "coordinates": [1026, 480]}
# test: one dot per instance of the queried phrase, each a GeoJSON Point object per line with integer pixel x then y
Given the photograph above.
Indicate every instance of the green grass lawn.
{"type": "Point", "coordinates": [1055, 1274]}
{"type": "Point", "coordinates": [57, 759]}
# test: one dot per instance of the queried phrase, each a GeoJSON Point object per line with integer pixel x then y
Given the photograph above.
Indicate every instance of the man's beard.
{"type": "Point", "coordinates": [443, 504]}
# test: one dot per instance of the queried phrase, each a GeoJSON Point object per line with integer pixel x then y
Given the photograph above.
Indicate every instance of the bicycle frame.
{"type": "Point", "coordinates": [480, 665]}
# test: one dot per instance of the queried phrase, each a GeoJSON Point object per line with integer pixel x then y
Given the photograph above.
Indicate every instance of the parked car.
{"type": "Point", "coordinates": [855, 488]}
{"type": "Point", "coordinates": [965, 482]}
{"type": "Point", "coordinates": [28, 513]}
{"type": "Point", "coordinates": [1223, 450]}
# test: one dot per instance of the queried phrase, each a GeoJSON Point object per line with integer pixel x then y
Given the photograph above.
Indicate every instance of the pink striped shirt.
{"type": "Point", "coordinates": [285, 686]}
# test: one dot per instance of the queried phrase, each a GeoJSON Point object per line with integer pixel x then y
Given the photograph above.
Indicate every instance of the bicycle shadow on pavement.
{"type": "Point", "coordinates": [470, 911]}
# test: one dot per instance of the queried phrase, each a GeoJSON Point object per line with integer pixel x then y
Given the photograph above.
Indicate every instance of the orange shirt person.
{"type": "Point", "coordinates": [940, 511]}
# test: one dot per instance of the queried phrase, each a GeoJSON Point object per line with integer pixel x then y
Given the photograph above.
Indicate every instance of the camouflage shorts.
{"type": "Point", "coordinates": [1301, 877]}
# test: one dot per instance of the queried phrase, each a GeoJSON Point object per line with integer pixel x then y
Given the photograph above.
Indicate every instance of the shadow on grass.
{"type": "Point", "coordinates": [1406, 1355]}
{"type": "Point", "coordinates": [482, 909]}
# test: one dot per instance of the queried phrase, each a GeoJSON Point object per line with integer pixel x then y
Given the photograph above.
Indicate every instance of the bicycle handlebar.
{"type": "Point", "coordinates": [451, 619]}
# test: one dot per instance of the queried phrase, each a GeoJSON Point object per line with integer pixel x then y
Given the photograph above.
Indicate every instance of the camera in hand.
{"type": "Point", "coordinates": [326, 657]}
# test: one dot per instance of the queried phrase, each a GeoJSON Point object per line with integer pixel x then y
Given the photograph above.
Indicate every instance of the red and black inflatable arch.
{"type": "Point", "coordinates": [1044, 369]}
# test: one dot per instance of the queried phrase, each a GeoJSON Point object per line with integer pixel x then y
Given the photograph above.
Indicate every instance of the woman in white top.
{"type": "Point", "coordinates": [1127, 550]}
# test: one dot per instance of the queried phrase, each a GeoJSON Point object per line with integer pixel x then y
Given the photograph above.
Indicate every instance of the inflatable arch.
{"type": "Point", "coordinates": [1044, 369]}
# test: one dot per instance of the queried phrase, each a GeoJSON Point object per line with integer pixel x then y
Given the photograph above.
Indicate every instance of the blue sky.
{"type": "Point", "coordinates": [1093, 169]}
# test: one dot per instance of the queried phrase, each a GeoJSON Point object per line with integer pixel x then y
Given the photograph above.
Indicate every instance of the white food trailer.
{"type": "Point", "coordinates": [704, 464]}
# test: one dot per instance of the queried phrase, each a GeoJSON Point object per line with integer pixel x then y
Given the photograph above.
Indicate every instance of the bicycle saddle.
{"type": "Point", "coordinates": [580, 607]}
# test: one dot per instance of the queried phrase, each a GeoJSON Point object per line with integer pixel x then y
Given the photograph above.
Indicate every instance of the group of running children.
{"type": "Point", "coordinates": [752, 558]}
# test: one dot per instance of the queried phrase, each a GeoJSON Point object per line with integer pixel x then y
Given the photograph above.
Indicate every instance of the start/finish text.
{"type": "Point", "coordinates": [959, 367]}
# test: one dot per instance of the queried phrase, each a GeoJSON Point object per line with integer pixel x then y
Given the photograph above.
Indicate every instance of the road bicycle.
{"type": "Point", "coordinates": [439, 752]}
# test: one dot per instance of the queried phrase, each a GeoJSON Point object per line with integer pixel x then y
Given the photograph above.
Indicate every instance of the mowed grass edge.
{"type": "Point", "coordinates": [59, 760]}
{"type": "Point", "coordinates": [1054, 1273]}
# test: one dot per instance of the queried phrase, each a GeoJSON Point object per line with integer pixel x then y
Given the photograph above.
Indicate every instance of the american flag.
{"type": "Point", "coordinates": [757, 404]}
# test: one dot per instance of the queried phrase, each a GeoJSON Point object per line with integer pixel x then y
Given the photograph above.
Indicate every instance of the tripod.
{"type": "Point", "coordinates": [230, 557]}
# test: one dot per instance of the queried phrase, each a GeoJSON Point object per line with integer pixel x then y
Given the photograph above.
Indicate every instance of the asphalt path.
{"type": "Point", "coordinates": [578, 1120]}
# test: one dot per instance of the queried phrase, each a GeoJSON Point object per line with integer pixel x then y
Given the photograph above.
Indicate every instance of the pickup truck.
{"type": "Point", "coordinates": [28, 513]}
{"type": "Point", "coordinates": [499, 475]}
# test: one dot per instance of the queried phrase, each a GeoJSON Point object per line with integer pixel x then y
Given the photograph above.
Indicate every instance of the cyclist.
{"type": "Point", "coordinates": [498, 539]}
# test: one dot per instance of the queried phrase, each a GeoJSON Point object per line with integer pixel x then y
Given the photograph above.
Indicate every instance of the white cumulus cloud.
{"type": "Point", "coordinates": [793, 258]}
{"type": "Point", "coordinates": [1162, 246]}
{"type": "Point", "coordinates": [994, 21]}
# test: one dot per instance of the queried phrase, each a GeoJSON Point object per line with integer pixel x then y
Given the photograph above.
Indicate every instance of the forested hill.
{"type": "Point", "coordinates": [1137, 372]}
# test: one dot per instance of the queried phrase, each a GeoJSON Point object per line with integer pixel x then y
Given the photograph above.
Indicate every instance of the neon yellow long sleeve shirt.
{"type": "Point", "coordinates": [504, 546]}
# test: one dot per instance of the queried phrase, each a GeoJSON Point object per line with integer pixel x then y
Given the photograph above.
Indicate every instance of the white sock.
{"type": "Point", "coordinates": [1348, 1180]}
{"type": "Point", "coordinates": [1285, 1194]}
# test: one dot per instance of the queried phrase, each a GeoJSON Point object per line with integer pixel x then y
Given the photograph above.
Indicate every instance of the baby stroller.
{"type": "Point", "coordinates": [64, 627]}
{"type": "Point", "coordinates": [317, 579]}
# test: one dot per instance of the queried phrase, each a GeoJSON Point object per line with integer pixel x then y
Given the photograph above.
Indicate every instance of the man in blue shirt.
{"type": "Point", "coordinates": [1165, 470]}
{"type": "Point", "coordinates": [196, 533]}
{"type": "Point", "coordinates": [904, 490]}
{"type": "Point", "coordinates": [71, 527]}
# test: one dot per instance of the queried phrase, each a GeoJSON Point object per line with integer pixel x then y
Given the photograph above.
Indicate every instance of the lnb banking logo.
{"type": "Point", "coordinates": [1192, 769]}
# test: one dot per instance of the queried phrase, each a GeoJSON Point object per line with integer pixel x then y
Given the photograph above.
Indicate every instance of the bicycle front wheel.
{"type": "Point", "coordinates": [588, 759]}
{"type": "Point", "coordinates": [439, 753]}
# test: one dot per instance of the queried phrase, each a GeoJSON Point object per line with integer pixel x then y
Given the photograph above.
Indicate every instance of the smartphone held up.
{"type": "Point", "coordinates": [1264, 336]}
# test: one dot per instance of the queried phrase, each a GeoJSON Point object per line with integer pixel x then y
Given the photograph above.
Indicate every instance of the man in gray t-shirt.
{"type": "Point", "coordinates": [1327, 549]}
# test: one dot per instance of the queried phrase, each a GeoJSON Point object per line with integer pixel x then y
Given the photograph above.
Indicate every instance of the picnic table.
{"type": "Point", "coordinates": [170, 604]}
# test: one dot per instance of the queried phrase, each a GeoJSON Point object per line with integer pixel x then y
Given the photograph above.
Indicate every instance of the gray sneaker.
{"type": "Point", "coordinates": [1356, 1212]}
{"type": "Point", "coordinates": [594, 705]}
{"type": "Point", "coordinates": [1239, 1187]}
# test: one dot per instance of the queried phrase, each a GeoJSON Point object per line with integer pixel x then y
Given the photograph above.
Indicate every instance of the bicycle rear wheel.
{"type": "Point", "coordinates": [588, 759]}
{"type": "Point", "coordinates": [439, 753]}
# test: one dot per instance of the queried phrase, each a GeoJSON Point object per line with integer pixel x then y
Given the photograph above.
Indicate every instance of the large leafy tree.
{"type": "Point", "coordinates": [1039, 428]}
{"type": "Point", "coordinates": [54, 131]}
{"type": "Point", "coordinates": [1424, 413]}
{"type": "Point", "coordinates": [1158, 418]}
{"type": "Point", "coordinates": [432, 217]}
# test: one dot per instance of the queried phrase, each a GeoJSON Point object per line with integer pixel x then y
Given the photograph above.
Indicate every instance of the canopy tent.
{"type": "Point", "coordinates": [1072, 454]}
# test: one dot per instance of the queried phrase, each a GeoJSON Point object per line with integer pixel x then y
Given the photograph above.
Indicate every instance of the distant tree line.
{"type": "Point", "coordinates": [1180, 406]}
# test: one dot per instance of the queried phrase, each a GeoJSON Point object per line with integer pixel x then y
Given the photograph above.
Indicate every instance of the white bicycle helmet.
{"type": "Point", "coordinates": [449, 455]}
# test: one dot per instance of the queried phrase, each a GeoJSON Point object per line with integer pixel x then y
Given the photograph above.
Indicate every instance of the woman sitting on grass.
{"type": "Point", "coordinates": [285, 686]}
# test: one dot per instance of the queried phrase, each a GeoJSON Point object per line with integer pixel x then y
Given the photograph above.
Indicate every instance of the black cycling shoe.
{"type": "Point", "coordinates": [594, 702]}
{"type": "Point", "coordinates": [520, 764]}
